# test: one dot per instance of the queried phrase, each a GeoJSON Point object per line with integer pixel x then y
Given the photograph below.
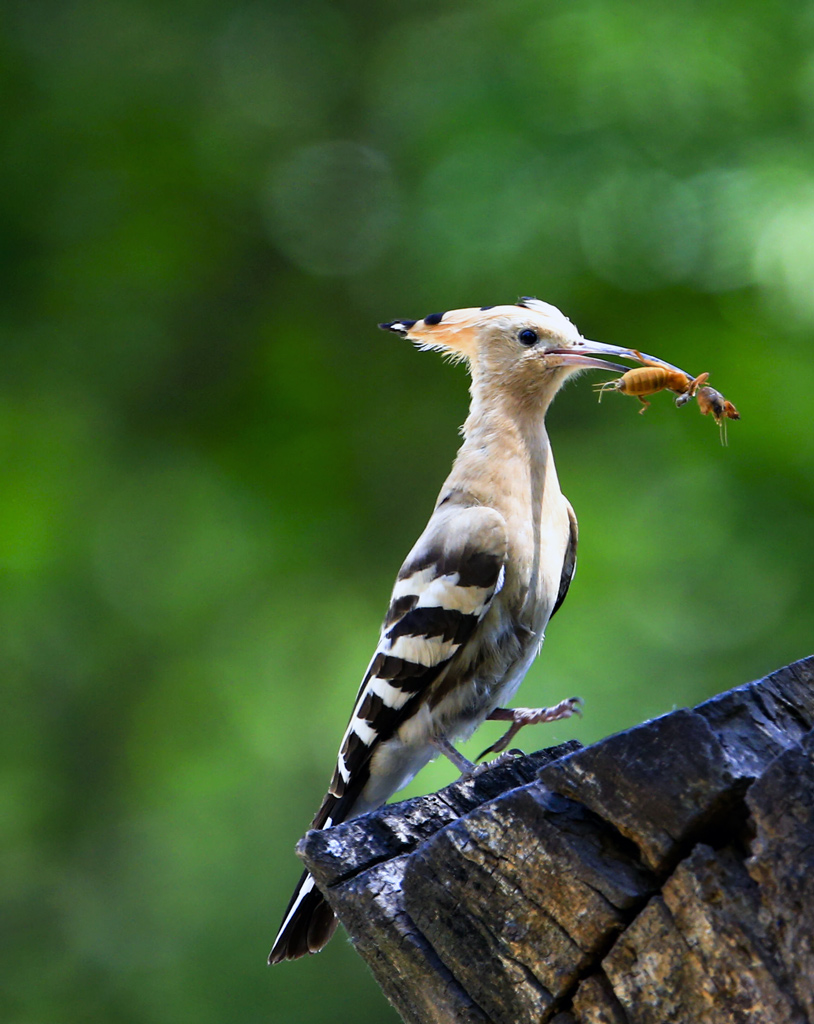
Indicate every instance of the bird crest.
{"type": "Point", "coordinates": [454, 332]}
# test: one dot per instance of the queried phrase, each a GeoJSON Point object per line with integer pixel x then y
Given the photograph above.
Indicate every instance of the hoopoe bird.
{"type": "Point", "coordinates": [472, 600]}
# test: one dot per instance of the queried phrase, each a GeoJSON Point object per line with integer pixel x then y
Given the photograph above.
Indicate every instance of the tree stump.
{"type": "Point", "coordinates": [663, 874]}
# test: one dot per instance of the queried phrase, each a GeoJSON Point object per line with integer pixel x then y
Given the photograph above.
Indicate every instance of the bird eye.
{"type": "Point", "coordinates": [527, 337]}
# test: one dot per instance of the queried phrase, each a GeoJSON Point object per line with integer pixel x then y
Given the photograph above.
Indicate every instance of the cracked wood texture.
{"type": "Point", "coordinates": [663, 874]}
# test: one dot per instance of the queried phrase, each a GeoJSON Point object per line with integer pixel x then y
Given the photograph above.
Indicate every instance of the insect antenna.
{"type": "Point", "coordinates": [606, 385]}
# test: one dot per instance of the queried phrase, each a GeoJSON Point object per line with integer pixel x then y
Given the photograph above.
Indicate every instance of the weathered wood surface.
{"type": "Point", "coordinates": [663, 874]}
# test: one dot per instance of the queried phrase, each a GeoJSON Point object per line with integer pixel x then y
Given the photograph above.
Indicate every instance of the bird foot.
{"type": "Point", "coordinates": [497, 762]}
{"type": "Point", "coordinates": [529, 716]}
{"type": "Point", "coordinates": [505, 758]}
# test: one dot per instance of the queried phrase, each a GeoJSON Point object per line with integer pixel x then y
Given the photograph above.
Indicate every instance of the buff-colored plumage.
{"type": "Point", "coordinates": [474, 596]}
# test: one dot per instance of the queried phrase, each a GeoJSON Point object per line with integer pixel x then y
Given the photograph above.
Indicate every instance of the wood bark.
{"type": "Point", "coordinates": [663, 874]}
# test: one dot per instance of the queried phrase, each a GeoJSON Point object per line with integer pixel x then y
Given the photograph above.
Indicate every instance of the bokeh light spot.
{"type": "Point", "coordinates": [641, 229]}
{"type": "Point", "coordinates": [331, 208]}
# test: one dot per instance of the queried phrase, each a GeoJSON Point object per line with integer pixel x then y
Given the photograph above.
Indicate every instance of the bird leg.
{"type": "Point", "coordinates": [464, 766]}
{"type": "Point", "coordinates": [529, 716]}
{"type": "Point", "coordinates": [469, 769]}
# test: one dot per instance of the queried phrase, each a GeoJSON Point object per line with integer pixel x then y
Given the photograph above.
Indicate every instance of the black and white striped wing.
{"type": "Point", "coordinates": [442, 592]}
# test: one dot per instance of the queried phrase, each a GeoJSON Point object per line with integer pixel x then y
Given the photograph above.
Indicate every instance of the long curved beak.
{"type": "Point", "coordinates": [567, 357]}
{"type": "Point", "coordinates": [598, 348]}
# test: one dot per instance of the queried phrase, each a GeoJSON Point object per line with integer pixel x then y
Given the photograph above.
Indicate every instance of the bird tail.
{"type": "Point", "coordinates": [308, 923]}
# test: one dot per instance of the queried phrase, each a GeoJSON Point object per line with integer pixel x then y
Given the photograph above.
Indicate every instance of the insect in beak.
{"type": "Point", "coordinates": [598, 348]}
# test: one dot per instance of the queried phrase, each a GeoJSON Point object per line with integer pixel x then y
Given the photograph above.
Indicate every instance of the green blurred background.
{"type": "Point", "coordinates": [213, 462]}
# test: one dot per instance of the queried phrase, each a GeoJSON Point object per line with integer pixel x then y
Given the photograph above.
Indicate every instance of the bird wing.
{"type": "Point", "coordinates": [569, 565]}
{"type": "Point", "coordinates": [442, 592]}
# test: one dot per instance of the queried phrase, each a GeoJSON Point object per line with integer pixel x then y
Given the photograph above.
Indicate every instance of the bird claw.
{"type": "Point", "coordinates": [497, 762]}
{"type": "Point", "coordinates": [530, 716]}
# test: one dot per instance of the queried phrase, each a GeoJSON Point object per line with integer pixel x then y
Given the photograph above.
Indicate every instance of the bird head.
{"type": "Point", "coordinates": [527, 348]}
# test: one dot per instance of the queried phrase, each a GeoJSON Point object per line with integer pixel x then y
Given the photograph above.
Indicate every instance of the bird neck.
{"type": "Point", "coordinates": [505, 446]}
{"type": "Point", "coordinates": [507, 417]}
